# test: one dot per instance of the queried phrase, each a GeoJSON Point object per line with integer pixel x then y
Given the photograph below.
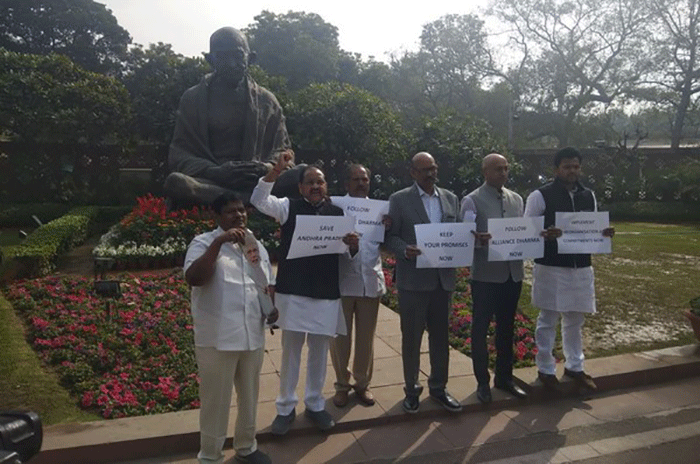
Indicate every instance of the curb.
{"type": "Point", "coordinates": [612, 373]}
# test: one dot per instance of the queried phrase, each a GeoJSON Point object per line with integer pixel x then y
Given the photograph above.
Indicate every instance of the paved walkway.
{"type": "Point", "coordinates": [384, 433]}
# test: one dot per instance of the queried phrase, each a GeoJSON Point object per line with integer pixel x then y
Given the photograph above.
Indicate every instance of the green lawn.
{"type": "Point", "coordinates": [643, 287]}
{"type": "Point", "coordinates": [24, 383]}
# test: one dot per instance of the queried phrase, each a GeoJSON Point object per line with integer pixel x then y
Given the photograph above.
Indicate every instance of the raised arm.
{"type": "Point", "coordinates": [263, 200]}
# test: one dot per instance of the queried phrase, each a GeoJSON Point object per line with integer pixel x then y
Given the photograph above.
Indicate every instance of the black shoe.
{"type": "Point", "coordinates": [446, 401]}
{"type": "Point", "coordinates": [583, 380]}
{"type": "Point", "coordinates": [281, 424]}
{"type": "Point", "coordinates": [483, 393]}
{"type": "Point", "coordinates": [511, 388]}
{"type": "Point", "coordinates": [322, 419]}
{"type": "Point", "coordinates": [256, 457]}
{"type": "Point", "coordinates": [550, 381]}
{"type": "Point", "coordinates": [410, 404]}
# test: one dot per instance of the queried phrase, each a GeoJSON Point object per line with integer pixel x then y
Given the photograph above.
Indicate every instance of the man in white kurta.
{"type": "Point", "coordinates": [229, 332]}
{"type": "Point", "coordinates": [314, 319]}
{"type": "Point", "coordinates": [361, 286]}
{"type": "Point", "coordinates": [562, 285]}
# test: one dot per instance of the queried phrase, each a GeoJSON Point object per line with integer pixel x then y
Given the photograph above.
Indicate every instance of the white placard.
{"type": "Point", "coordinates": [516, 238]}
{"type": "Point", "coordinates": [445, 244]}
{"type": "Point", "coordinates": [319, 235]}
{"type": "Point", "coordinates": [583, 232]}
{"type": "Point", "coordinates": [368, 214]}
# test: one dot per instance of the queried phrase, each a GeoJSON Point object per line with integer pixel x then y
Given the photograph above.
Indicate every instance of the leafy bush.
{"type": "Point", "coordinates": [41, 248]}
{"type": "Point", "coordinates": [654, 211]}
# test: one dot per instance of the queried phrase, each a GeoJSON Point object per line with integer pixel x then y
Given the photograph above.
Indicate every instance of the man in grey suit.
{"type": "Point", "coordinates": [495, 285]}
{"type": "Point", "coordinates": [424, 294]}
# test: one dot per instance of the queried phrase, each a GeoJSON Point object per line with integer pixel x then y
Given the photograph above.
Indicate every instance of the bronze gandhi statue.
{"type": "Point", "coordinates": [229, 130]}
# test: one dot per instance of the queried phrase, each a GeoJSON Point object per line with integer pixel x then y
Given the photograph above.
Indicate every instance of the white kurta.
{"type": "Point", "coordinates": [298, 313]}
{"type": "Point", "coordinates": [555, 288]}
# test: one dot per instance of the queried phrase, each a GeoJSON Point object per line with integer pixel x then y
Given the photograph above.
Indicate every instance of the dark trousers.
{"type": "Point", "coordinates": [418, 311]}
{"type": "Point", "coordinates": [488, 299]}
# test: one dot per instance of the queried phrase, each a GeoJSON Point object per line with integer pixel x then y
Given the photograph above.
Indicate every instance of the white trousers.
{"type": "Point", "coordinates": [219, 371]}
{"type": "Point", "coordinates": [572, 342]}
{"type": "Point", "coordinates": [292, 343]}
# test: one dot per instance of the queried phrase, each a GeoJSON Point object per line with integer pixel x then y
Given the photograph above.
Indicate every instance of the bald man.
{"type": "Point", "coordinates": [495, 285]}
{"type": "Point", "coordinates": [424, 294]}
{"type": "Point", "coordinates": [228, 131]}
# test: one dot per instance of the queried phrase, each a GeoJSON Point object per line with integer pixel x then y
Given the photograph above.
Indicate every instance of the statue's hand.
{"type": "Point", "coordinates": [236, 174]}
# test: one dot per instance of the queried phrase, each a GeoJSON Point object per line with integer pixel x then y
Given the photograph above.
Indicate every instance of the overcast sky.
{"type": "Point", "coordinates": [368, 27]}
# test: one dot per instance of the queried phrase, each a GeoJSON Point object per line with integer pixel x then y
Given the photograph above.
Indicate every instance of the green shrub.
{"type": "Point", "coordinates": [653, 211]}
{"type": "Point", "coordinates": [40, 250]}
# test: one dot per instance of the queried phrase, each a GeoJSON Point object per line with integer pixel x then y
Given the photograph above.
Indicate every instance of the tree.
{"type": "Point", "coordinates": [83, 30]}
{"type": "Point", "coordinates": [156, 80]}
{"type": "Point", "coordinates": [341, 123]}
{"type": "Point", "coordinates": [453, 50]}
{"type": "Point", "coordinates": [48, 99]}
{"type": "Point", "coordinates": [674, 81]}
{"type": "Point", "coordinates": [299, 46]}
{"type": "Point", "coordinates": [458, 144]}
{"type": "Point", "coordinates": [51, 99]}
{"type": "Point", "coordinates": [580, 54]}
{"type": "Point", "coordinates": [445, 72]}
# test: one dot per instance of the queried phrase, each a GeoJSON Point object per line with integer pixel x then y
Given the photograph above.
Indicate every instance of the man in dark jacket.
{"type": "Point", "coordinates": [562, 284]}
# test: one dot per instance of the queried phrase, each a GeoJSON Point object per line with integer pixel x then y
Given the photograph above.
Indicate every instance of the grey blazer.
{"type": "Point", "coordinates": [406, 210]}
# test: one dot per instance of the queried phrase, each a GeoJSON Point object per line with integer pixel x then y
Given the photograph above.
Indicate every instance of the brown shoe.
{"type": "Point", "coordinates": [365, 396]}
{"type": "Point", "coordinates": [340, 399]}
{"type": "Point", "coordinates": [582, 379]}
{"type": "Point", "coordinates": [550, 381]}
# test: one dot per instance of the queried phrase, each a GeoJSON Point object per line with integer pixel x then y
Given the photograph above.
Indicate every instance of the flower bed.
{"type": "Point", "coordinates": [151, 237]}
{"type": "Point", "coordinates": [461, 320]}
{"type": "Point", "coordinates": [124, 357]}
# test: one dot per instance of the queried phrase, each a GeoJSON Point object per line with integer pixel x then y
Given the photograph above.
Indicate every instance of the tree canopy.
{"type": "Point", "coordinates": [83, 30]}
{"type": "Point", "coordinates": [299, 46]}
{"type": "Point", "coordinates": [48, 98]}
{"type": "Point", "coordinates": [156, 80]}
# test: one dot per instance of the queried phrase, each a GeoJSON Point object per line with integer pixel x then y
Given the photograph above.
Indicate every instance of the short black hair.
{"type": "Point", "coordinates": [302, 172]}
{"type": "Point", "coordinates": [566, 153]}
{"type": "Point", "coordinates": [351, 167]}
{"type": "Point", "coordinates": [223, 200]}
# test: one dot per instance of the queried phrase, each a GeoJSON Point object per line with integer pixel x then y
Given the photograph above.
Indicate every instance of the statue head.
{"type": "Point", "coordinates": [229, 54]}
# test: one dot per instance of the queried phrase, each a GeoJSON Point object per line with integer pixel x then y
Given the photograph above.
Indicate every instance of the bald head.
{"type": "Point", "coordinates": [424, 171]}
{"type": "Point", "coordinates": [495, 169]}
{"type": "Point", "coordinates": [227, 39]}
{"type": "Point", "coordinates": [229, 55]}
{"type": "Point", "coordinates": [422, 157]}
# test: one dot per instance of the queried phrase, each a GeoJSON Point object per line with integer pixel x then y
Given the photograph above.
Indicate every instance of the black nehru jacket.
{"type": "Point", "coordinates": [557, 199]}
{"type": "Point", "coordinates": [311, 276]}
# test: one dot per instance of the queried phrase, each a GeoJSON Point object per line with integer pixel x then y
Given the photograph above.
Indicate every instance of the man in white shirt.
{"type": "Point", "coordinates": [361, 286]}
{"type": "Point", "coordinates": [307, 294]}
{"type": "Point", "coordinates": [562, 284]}
{"type": "Point", "coordinates": [228, 332]}
{"type": "Point", "coordinates": [425, 294]}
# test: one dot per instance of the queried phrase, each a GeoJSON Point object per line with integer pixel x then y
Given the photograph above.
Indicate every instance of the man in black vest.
{"type": "Point", "coordinates": [562, 284]}
{"type": "Point", "coordinates": [307, 294]}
